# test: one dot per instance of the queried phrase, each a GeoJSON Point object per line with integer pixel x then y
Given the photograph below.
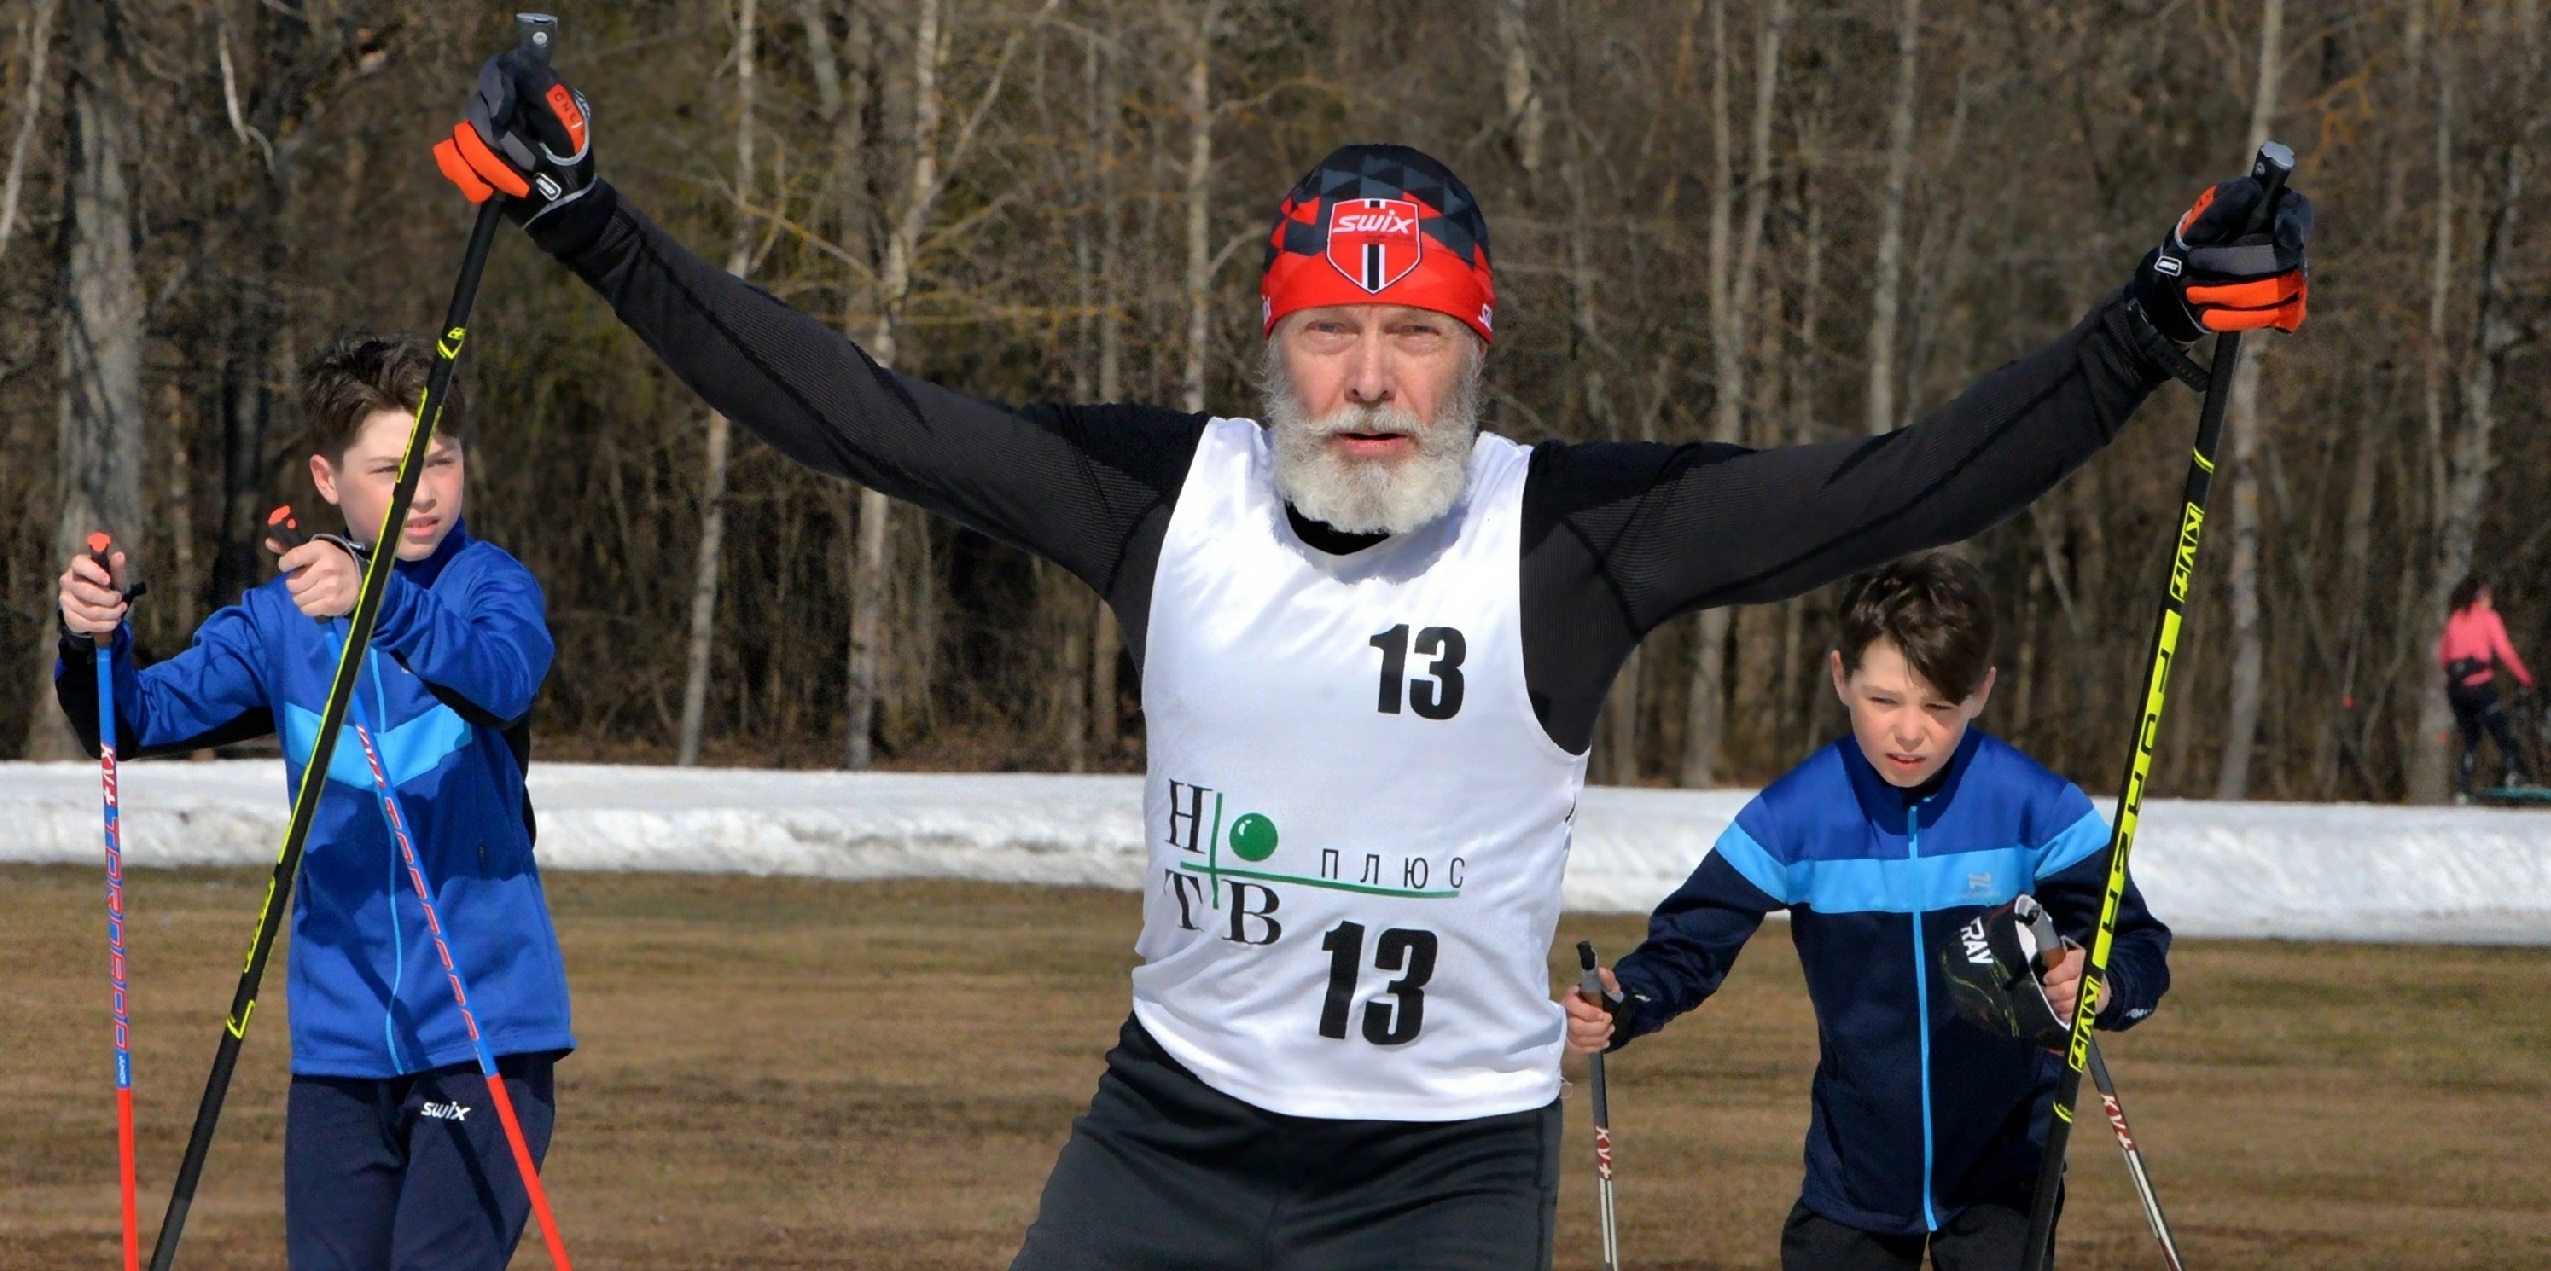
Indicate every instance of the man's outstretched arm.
{"type": "Point", "coordinates": [1073, 484]}
{"type": "Point", "coordinates": [1700, 525]}
{"type": "Point", "coordinates": [1620, 538]}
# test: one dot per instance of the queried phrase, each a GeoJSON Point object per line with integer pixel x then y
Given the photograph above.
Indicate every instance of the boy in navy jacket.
{"type": "Point", "coordinates": [389, 1157]}
{"type": "Point", "coordinates": [1884, 847]}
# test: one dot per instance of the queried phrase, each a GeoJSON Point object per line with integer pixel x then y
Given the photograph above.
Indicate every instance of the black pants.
{"type": "Point", "coordinates": [412, 1173]}
{"type": "Point", "coordinates": [1166, 1173]}
{"type": "Point", "coordinates": [2476, 709]}
{"type": "Point", "coordinates": [1986, 1237]}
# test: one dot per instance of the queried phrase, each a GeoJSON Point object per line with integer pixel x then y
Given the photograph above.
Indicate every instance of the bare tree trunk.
{"type": "Point", "coordinates": [100, 443]}
{"type": "Point", "coordinates": [1731, 287]}
{"type": "Point", "coordinates": [37, 39]}
{"type": "Point", "coordinates": [2459, 528]}
{"type": "Point", "coordinates": [1798, 700]}
{"type": "Point", "coordinates": [180, 607]}
{"type": "Point", "coordinates": [739, 260]}
{"type": "Point", "coordinates": [1105, 641]}
{"type": "Point", "coordinates": [1523, 102]}
{"type": "Point", "coordinates": [2241, 730]}
{"type": "Point", "coordinates": [1200, 117]}
{"type": "Point", "coordinates": [1887, 273]}
{"type": "Point", "coordinates": [2426, 764]}
{"type": "Point", "coordinates": [872, 566]}
{"type": "Point", "coordinates": [2356, 541]}
{"type": "Point", "coordinates": [1705, 705]}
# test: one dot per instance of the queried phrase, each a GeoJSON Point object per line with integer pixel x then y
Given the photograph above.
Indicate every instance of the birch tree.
{"type": "Point", "coordinates": [1200, 250]}
{"type": "Point", "coordinates": [99, 446]}
{"type": "Point", "coordinates": [2465, 471]}
{"type": "Point", "coordinates": [1731, 284]}
{"type": "Point", "coordinates": [2242, 423]}
{"type": "Point", "coordinates": [739, 260]}
{"type": "Point", "coordinates": [873, 562]}
{"type": "Point", "coordinates": [1886, 272]}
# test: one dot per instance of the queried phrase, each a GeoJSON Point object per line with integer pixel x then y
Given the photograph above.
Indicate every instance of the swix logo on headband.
{"type": "Point", "coordinates": [1374, 242]}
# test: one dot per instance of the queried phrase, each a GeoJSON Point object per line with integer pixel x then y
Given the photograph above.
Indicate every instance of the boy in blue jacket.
{"type": "Point", "coordinates": [389, 1157]}
{"type": "Point", "coordinates": [1893, 850]}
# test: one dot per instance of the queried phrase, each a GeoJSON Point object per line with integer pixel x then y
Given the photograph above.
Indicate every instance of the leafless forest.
{"type": "Point", "coordinates": [1753, 220]}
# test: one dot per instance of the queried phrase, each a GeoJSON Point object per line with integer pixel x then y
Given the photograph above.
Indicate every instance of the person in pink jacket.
{"type": "Point", "coordinates": [2474, 643]}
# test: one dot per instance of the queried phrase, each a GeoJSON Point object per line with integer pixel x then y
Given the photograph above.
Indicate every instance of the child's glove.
{"type": "Point", "coordinates": [1992, 973]}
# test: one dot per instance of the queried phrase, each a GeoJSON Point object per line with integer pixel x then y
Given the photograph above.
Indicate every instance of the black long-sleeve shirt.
{"type": "Point", "coordinates": [1618, 537]}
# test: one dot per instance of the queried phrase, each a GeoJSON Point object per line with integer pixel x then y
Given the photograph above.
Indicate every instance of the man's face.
{"type": "Point", "coordinates": [359, 484]}
{"type": "Point", "coordinates": [1905, 727]}
{"type": "Point", "coordinates": [1374, 408]}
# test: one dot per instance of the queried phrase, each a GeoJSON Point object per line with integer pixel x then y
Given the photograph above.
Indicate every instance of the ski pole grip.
{"type": "Point", "coordinates": [1591, 982]}
{"type": "Point", "coordinates": [536, 34]}
{"type": "Point", "coordinates": [2275, 163]}
{"type": "Point", "coordinates": [102, 550]}
{"type": "Point", "coordinates": [283, 527]}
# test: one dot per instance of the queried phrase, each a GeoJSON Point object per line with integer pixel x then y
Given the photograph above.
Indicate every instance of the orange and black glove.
{"type": "Point", "coordinates": [526, 138]}
{"type": "Point", "coordinates": [2209, 276]}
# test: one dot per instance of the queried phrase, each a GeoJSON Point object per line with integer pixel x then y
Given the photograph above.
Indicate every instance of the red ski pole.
{"type": "Point", "coordinates": [101, 550]}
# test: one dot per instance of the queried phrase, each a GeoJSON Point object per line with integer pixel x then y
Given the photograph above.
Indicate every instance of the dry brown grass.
{"type": "Point", "coordinates": [791, 1074]}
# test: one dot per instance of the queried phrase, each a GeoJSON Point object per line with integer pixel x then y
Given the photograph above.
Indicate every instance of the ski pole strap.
{"type": "Point", "coordinates": [285, 528]}
{"type": "Point", "coordinates": [2161, 348]}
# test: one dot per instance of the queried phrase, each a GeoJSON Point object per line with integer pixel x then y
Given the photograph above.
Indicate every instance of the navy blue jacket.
{"type": "Point", "coordinates": [462, 646]}
{"type": "Point", "coordinates": [1917, 1113]}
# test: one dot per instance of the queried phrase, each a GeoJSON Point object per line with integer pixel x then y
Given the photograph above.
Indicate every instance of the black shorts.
{"type": "Point", "coordinates": [1985, 1237]}
{"type": "Point", "coordinates": [1166, 1173]}
{"type": "Point", "coordinates": [410, 1172]}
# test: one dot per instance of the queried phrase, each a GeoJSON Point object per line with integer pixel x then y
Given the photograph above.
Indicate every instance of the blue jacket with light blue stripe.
{"type": "Point", "coordinates": [460, 652]}
{"type": "Point", "coordinates": [1917, 1114]}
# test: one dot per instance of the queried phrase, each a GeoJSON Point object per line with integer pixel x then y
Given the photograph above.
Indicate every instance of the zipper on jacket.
{"type": "Point", "coordinates": [1922, 1005]}
{"type": "Point", "coordinates": [398, 937]}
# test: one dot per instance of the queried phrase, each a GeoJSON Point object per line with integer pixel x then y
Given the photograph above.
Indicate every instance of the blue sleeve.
{"type": "Point", "coordinates": [1695, 935]}
{"type": "Point", "coordinates": [2072, 879]}
{"type": "Point", "coordinates": [209, 694]}
{"type": "Point", "coordinates": [488, 641]}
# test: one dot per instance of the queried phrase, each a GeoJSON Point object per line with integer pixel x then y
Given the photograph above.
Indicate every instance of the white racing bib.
{"type": "Point", "coordinates": [1357, 825]}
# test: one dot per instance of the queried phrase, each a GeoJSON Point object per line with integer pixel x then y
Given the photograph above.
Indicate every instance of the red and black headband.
{"type": "Point", "coordinates": [1380, 225]}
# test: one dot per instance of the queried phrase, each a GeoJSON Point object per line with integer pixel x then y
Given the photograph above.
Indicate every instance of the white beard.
{"type": "Point", "coordinates": [1370, 496]}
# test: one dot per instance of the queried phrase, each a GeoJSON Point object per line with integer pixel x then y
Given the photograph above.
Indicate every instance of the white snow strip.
{"type": "Point", "coordinates": [2302, 871]}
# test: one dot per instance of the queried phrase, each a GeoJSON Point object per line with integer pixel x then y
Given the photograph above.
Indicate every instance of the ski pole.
{"type": "Point", "coordinates": [2273, 165]}
{"type": "Point", "coordinates": [537, 33]}
{"type": "Point", "coordinates": [1591, 984]}
{"type": "Point", "coordinates": [101, 550]}
{"type": "Point", "coordinates": [2051, 946]}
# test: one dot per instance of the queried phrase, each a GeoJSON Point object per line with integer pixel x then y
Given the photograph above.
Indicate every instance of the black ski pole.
{"type": "Point", "coordinates": [2051, 947]}
{"type": "Point", "coordinates": [2274, 164]}
{"type": "Point", "coordinates": [1591, 984]}
{"type": "Point", "coordinates": [538, 33]}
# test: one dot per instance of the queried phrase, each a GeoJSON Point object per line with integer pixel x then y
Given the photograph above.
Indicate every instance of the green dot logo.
{"type": "Point", "coordinates": [1253, 837]}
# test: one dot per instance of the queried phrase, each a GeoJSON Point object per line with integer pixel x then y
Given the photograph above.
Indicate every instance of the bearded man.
{"type": "Point", "coordinates": [1373, 642]}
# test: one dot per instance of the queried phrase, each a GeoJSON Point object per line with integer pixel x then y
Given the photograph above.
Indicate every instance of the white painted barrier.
{"type": "Point", "coordinates": [2310, 871]}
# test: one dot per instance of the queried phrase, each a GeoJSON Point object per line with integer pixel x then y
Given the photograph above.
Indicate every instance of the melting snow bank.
{"type": "Point", "coordinates": [2310, 871]}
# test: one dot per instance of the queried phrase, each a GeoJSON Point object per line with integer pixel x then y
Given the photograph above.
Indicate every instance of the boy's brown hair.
{"type": "Point", "coordinates": [354, 377]}
{"type": "Point", "coordinates": [1934, 608]}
